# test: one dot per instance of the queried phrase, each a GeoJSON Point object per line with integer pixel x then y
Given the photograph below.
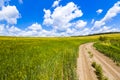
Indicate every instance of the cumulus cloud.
{"type": "Point", "coordinates": [112, 12]}
{"type": "Point", "coordinates": [99, 11]}
{"type": "Point", "coordinates": [76, 32]}
{"type": "Point", "coordinates": [60, 18]}
{"type": "Point", "coordinates": [9, 30]}
{"type": "Point", "coordinates": [8, 17]}
{"type": "Point", "coordinates": [63, 21]}
{"type": "Point", "coordinates": [13, 29]}
{"type": "Point", "coordinates": [47, 18]}
{"type": "Point", "coordinates": [35, 30]}
{"type": "Point", "coordinates": [60, 21]}
{"type": "Point", "coordinates": [80, 24]}
{"type": "Point", "coordinates": [56, 3]}
{"type": "Point", "coordinates": [35, 27]}
{"type": "Point", "coordinates": [10, 14]}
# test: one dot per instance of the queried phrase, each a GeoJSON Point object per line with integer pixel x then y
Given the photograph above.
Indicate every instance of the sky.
{"type": "Point", "coordinates": [58, 17]}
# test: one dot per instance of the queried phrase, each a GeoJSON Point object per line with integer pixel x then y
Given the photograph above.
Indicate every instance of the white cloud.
{"type": "Point", "coordinates": [98, 24]}
{"type": "Point", "coordinates": [35, 30]}
{"type": "Point", "coordinates": [47, 18]}
{"type": "Point", "coordinates": [70, 31]}
{"type": "Point", "coordinates": [56, 3]}
{"type": "Point", "coordinates": [13, 29]}
{"type": "Point", "coordinates": [99, 11]}
{"type": "Point", "coordinates": [112, 12]}
{"type": "Point", "coordinates": [2, 28]}
{"type": "Point", "coordinates": [105, 29]}
{"type": "Point", "coordinates": [60, 21]}
{"type": "Point", "coordinates": [7, 30]}
{"type": "Point", "coordinates": [9, 14]}
{"type": "Point", "coordinates": [35, 27]}
{"type": "Point", "coordinates": [85, 31]}
{"type": "Point", "coordinates": [80, 24]}
{"type": "Point", "coordinates": [60, 18]}
{"type": "Point", "coordinates": [76, 32]}
{"type": "Point", "coordinates": [21, 1]}
{"type": "Point", "coordinates": [28, 33]}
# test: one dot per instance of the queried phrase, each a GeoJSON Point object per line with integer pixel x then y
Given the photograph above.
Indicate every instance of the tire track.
{"type": "Point", "coordinates": [109, 67]}
{"type": "Point", "coordinates": [84, 69]}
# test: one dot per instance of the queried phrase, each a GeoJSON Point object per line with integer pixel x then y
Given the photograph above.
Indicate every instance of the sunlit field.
{"type": "Point", "coordinates": [39, 58]}
{"type": "Point", "coordinates": [24, 58]}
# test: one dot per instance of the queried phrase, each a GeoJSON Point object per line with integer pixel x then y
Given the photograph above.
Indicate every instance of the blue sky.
{"type": "Point", "coordinates": [58, 17]}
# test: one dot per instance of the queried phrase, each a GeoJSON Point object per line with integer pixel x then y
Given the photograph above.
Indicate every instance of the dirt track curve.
{"type": "Point", "coordinates": [85, 70]}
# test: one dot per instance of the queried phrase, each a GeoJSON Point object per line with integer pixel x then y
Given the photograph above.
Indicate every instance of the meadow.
{"type": "Point", "coordinates": [39, 58]}
{"type": "Point", "coordinates": [28, 58]}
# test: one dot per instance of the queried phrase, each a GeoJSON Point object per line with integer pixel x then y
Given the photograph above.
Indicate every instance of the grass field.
{"type": "Point", "coordinates": [40, 58]}
{"type": "Point", "coordinates": [110, 47]}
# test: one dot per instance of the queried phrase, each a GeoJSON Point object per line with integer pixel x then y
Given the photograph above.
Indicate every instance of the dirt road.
{"type": "Point", "coordinates": [85, 70]}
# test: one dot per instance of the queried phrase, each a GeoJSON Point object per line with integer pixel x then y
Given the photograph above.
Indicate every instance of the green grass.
{"type": "Point", "coordinates": [99, 71]}
{"type": "Point", "coordinates": [39, 58]}
{"type": "Point", "coordinates": [110, 47]}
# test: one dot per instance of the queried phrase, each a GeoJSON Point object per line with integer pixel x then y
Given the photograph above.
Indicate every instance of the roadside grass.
{"type": "Point", "coordinates": [99, 71]}
{"type": "Point", "coordinates": [110, 47]}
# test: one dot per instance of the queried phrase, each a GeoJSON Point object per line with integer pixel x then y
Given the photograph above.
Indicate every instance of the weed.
{"type": "Point", "coordinates": [111, 50]}
{"type": "Point", "coordinates": [99, 71]}
{"type": "Point", "coordinates": [90, 54]}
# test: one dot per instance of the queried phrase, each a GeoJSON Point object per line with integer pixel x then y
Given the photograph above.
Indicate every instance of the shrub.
{"type": "Point", "coordinates": [102, 38]}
